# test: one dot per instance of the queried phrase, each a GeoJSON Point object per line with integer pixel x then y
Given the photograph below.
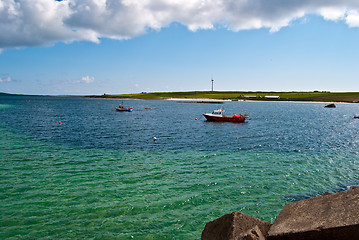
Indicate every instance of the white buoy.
{"type": "Point", "coordinates": [154, 139]}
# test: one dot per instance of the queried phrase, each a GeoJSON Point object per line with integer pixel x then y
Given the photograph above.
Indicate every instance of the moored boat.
{"type": "Point", "coordinates": [123, 109]}
{"type": "Point", "coordinates": [218, 116]}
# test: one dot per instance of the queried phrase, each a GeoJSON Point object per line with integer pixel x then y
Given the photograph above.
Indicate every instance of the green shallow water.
{"type": "Point", "coordinates": [52, 187]}
{"type": "Point", "coordinates": [51, 191]}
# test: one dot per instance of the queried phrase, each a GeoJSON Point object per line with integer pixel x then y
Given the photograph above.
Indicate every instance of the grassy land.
{"type": "Point", "coordinates": [258, 96]}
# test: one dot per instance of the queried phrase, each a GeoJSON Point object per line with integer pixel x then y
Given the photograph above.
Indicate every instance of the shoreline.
{"type": "Point", "coordinates": [316, 96]}
{"type": "Point", "coordinates": [226, 100]}
{"type": "Point", "coordinates": [190, 100]}
{"type": "Point", "coordinates": [303, 97]}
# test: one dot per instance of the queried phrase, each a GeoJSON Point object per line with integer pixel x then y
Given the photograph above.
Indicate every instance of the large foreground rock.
{"type": "Point", "coordinates": [332, 216]}
{"type": "Point", "coordinates": [236, 226]}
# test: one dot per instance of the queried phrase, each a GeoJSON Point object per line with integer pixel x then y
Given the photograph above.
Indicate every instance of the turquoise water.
{"type": "Point", "coordinates": [99, 174]}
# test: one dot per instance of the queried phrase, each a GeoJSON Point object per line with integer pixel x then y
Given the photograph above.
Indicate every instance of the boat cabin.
{"type": "Point", "coordinates": [218, 112]}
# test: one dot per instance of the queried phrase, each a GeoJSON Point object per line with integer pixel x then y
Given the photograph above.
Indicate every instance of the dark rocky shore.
{"type": "Point", "coordinates": [331, 216]}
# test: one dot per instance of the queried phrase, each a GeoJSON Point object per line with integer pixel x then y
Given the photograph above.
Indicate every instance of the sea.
{"type": "Point", "coordinates": [73, 168]}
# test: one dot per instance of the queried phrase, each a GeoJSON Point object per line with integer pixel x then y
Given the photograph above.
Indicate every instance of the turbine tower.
{"type": "Point", "coordinates": [212, 83]}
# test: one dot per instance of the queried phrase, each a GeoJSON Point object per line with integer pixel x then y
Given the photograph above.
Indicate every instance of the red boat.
{"type": "Point", "coordinates": [218, 116]}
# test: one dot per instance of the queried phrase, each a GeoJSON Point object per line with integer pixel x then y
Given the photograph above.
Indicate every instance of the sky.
{"type": "Point", "coordinates": [81, 47]}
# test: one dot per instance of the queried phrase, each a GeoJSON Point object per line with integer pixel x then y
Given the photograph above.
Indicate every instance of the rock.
{"type": "Point", "coordinates": [236, 226]}
{"type": "Point", "coordinates": [252, 234]}
{"type": "Point", "coordinates": [333, 216]}
{"type": "Point", "coordinates": [332, 105]}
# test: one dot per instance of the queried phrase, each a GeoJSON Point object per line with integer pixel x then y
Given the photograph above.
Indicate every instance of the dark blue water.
{"type": "Point", "coordinates": [92, 123]}
{"type": "Point", "coordinates": [99, 174]}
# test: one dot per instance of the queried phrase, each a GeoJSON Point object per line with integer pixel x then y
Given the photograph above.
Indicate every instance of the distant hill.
{"type": "Point", "coordinates": [316, 96]}
{"type": "Point", "coordinates": [10, 94]}
{"type": "Point", "coordinates": [5, 94]}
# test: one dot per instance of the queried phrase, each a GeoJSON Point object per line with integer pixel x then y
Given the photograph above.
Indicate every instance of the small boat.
{"type": "Point", "coordinates": [218, 116]}
{"type": "Point", "coordinates": [123, 109]}
{"type": "Point", "coordinates": [332, 105]}
{"type": "Point", "coordinates": [356, 116]}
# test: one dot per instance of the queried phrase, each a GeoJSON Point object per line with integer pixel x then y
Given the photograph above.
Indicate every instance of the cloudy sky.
{"type": "Point", "coordinates": [129, 46]}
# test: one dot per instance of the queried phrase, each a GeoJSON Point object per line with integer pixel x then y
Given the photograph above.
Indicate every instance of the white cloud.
{"type": "Point", "coordinates": [352, 19]}
{"type": "Point", "coordinates": [44, 22]}
{"type": "Point", "coordinates": [332, 13]}
{"type": "Point", "coordinates": [5, 79]}
{"type": "Point", "coordinates": [87, 79]}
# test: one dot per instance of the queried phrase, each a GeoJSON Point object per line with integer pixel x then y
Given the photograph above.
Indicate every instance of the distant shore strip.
{"type": "Point", "coordinates": [211, 96]}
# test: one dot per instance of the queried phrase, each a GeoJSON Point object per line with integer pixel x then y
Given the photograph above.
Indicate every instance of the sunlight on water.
{"type": "Point", "coordinates": [4, 106]}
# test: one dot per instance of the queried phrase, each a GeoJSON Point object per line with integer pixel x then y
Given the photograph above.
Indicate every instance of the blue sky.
{"type": "Point", "coordinates": [301, 47]}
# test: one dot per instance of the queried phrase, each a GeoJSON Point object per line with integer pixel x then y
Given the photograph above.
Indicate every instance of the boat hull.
{"type": "Point", "coordinates": [212, 118]}
{"type": "Point", "coordinates": [123, 110]}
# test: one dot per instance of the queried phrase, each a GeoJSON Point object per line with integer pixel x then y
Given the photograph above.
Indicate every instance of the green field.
{"type": "Point", "coordinates": [352, 97]}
